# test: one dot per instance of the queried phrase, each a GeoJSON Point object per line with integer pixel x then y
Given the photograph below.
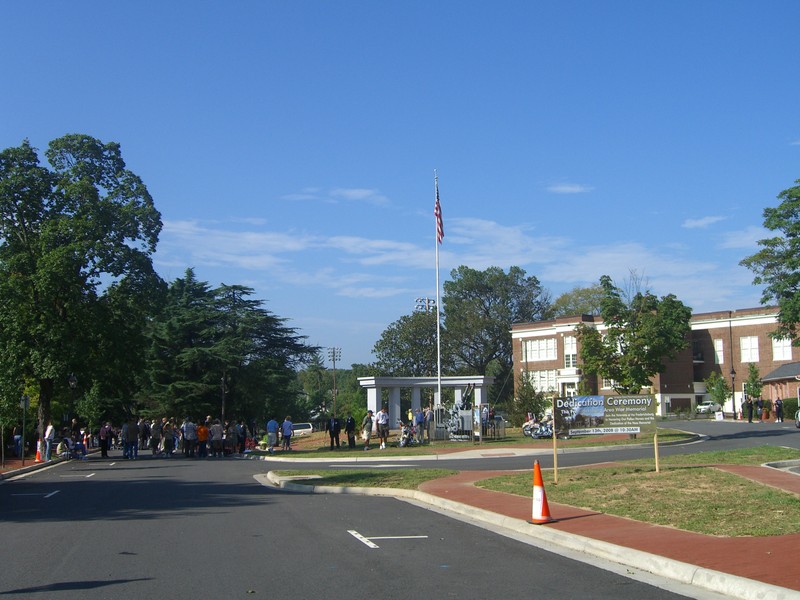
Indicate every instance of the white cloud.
{"type": "Point", "coordinates": [701, 223]}
{"type": "Point", "coordinates": [569, 188]}
{"type": "Point", "coordinates": [744, 239]}
{"type": "Point", "coordinates": [360, 195]}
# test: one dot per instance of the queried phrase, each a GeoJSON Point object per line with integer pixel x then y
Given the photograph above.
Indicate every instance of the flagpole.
{"type": "Point", "coordinates": [437, 242]}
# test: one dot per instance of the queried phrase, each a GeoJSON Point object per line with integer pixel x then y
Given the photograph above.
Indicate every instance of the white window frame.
{"type": "Point", "coordinates": [544, 380]}
{"type": "Point", "coordinates": [539, 349]}
{"type": "Point", "coordinates": [570, 352]}
{"type": "Point", "coordinates": [719, 352]}
{"type": "Point", "coordinates": [748, 344]}
{"type": "Point", "coordinates": [781, 349]}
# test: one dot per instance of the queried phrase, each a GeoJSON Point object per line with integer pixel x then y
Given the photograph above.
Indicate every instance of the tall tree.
{"type": "Point", "coordinates": [777, 264]}
{"type": "Point", "coordinates": [641, 331]}
{"type": "Point", "coordinates": [578, 301]}
{"type": "Point", "coordinates": [217, 351]}
{"type": "Point", "coordinates": [76, 240]}
{"type": "Point", "coordinates": [407, 347]}
{"type": "Point", "coordinates": [480, 307]}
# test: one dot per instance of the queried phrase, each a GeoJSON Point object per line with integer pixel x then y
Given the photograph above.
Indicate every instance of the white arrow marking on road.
{"type": "Point", "coordinates": [368, 541]}
{"type": "Point", "coordinates": [361, 538]}
{"type": "Point", "coordinates": [90, 475]}
{"type": "Point", "coordinates": [52, 494]}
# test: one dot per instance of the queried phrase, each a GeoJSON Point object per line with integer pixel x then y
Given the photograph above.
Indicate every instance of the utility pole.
{"type": "Point", "coordinates": [334, 354]}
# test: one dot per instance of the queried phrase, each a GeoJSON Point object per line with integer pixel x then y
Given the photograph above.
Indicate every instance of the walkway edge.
{"type": "Point", "coordinates": [731, 586]}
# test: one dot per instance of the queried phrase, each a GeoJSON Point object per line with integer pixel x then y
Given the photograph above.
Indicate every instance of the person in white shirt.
{"type": "Point", "coordinates": [382, 419]}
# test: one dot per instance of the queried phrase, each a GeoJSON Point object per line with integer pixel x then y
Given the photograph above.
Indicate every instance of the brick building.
{"type": "Point", "coordinates": [725, 341]}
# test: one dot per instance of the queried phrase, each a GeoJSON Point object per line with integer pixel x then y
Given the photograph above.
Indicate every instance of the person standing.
{"type": "Point", "coordinates": [216, 433]}
{"type": "Point", "coordinates": [383, 426]}
{"type": "Point", "coordinates": [49, 437]}
{"type": "Point", "coordinates": [759, 408]}
{"type": "Point", "coordinates": [366, 429]}
{"type": "Point", "coordinates": [350, 430]}
{"type": "Point", "coordinates": [286, 432]}
{"type": "Point", "coordinates": [105, 439]}
{"type": "Point", "coordinates": [272, 435]}
{"type": "Point", "coordinates": [155, 436]}
{"type": "Point", "coordinates": [778, 410]}
{"type": "Point", "coordinates": [334, 429]}
{"type": "Point", "coordinates": [749, 410]}
{"type": "Point", "coordinates": [189, 438]}
{"type": "Point", "coordinates": [419, 424]}
{"type": "Point", "coordinates": [202, 440]}
{"type": "Point", "coordinates": [168, 437]}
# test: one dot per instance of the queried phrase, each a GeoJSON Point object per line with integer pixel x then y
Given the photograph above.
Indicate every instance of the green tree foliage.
{"type": "Point", "coordinates": [753, 382]}
{"type": "Point", "coordinates": [218, 352]}
{"type": "Point", "coordinates": [718, 388]}
{"type": "Point", "coordinates": [578, 301]}
{"type": "Point", "coordinates": [528, 400]}
{"type": "Point", "coordinates": [641, 332]}
{"type": "Point", "coordinates": [76, 275]}
{"type": "Point", "coordinates": [407, 348]}
{"type": "Point", "coordinates": [480, 307]}
{"type": "Point", "coordinates": [777, 264]}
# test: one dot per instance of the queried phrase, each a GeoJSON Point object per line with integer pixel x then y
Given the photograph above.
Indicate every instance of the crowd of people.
{"type": "Point", "coordinates": [167, 437]}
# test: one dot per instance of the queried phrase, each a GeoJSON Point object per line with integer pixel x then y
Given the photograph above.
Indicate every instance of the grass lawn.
{"type": "Point", "coordinates": [686, 494]}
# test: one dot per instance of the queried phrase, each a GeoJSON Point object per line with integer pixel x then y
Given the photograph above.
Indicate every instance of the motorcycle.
{"type": "Point", "coordinates": [538, 430]}
{"type": "Point", "coordinates": [408, 435]}
{"type": "Point", "coordinates": [544, 430]}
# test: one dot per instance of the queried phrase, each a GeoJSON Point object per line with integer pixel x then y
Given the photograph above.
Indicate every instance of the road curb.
{"type": "Point", "coordinates": [731, 586]}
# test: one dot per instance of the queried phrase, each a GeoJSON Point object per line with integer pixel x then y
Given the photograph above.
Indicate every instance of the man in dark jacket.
{"type": "Point", "coordinates": [334, 428]}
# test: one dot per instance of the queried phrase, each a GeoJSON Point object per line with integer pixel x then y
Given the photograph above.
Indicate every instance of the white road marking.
{"type": "Point", "coordinates": [367, 541]}
{"type": "Point", "coordinates": [52, 494]}
{"type": "Point", "coordinates": [362, 539]}
{"type": "Point", "coordinates": [362, 466]}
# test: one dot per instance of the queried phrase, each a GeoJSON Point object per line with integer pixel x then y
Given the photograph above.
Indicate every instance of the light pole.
{"type": "Point", "coordinates": [334, 354]}
{"type": "Point", "coordinates": [425, 304]}
{"type": "Point", "coordinates": [222, 387]}
{"type": "Point", "coordinates": [24, 403]}
{"type": "Point", "coordinates": [733, 392]}
{"type": "Point", "coordinates": [73, 383]}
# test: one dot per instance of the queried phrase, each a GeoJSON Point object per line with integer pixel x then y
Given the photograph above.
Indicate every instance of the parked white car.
{"type": "Point", "coordinates": [707, 406]}
{"type": "Point", "coordinates": [302, 428]}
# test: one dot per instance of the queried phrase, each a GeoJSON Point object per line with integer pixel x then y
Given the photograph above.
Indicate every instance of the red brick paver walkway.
{"type": "Point", "coordinates": [774, 559]}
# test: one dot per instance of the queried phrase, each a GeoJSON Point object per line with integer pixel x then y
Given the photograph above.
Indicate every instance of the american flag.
{"type": "Point", "coordinates": [437, 212]}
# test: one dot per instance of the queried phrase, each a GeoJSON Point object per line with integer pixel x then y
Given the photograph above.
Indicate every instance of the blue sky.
{"type": "Point", "coordinates": [291, 146]}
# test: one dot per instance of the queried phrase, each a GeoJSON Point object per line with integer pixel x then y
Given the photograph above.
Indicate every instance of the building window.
{"type": "Point", "coordinates": [608, 384]}
{"type": "Point", "coordinates": [749, 347]}
{"type": "Point", "coordinates": [782, 349]}
{"type": "Point", "coordinates": [570, 352]}
{"type": "Point", "coordinates": [539, 349]}
{"type": "Point", "coordinates": [719, 354]}
{"type": "Point", "coordinates": [543, 381]}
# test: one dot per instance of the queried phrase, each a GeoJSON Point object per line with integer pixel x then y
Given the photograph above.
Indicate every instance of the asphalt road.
{"type": "Point", "coordinates": [180, 528]}
{"type": "Point", "coordinates": [716, 435]}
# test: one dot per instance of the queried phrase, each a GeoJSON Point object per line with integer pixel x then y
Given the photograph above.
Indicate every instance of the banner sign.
{"type": "Point", "coordinates": [598, 415]}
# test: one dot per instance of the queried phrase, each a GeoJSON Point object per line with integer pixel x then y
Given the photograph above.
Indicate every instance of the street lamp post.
{"type": "Point", "coordinates": [334, 354]}
{"type": "Point", "coordinates": [73, 383]}
{"type": "Point", "coordinates": [24, 403]}
{"type": "Point", "coordinates": [733, 393]}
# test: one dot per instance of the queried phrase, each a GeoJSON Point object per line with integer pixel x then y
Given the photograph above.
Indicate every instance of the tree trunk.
{"type": "Point", "coordinates": [45, 399]}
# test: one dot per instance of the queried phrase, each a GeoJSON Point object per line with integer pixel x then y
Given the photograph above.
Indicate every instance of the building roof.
{"type": "Point", "coordinates": [787, 371]}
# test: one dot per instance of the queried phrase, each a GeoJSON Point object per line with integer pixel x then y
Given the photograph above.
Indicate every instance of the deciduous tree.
{"type": "Point", "coordinates": [777, 264]}
{"type": "Point", "coordinates": [641, 331]}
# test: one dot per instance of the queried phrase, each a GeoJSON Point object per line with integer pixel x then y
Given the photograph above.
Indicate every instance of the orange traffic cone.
{"type": "Point", "coordinates": [541, 512]}
{"type": "Point", "coordinates": [38, 453]}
